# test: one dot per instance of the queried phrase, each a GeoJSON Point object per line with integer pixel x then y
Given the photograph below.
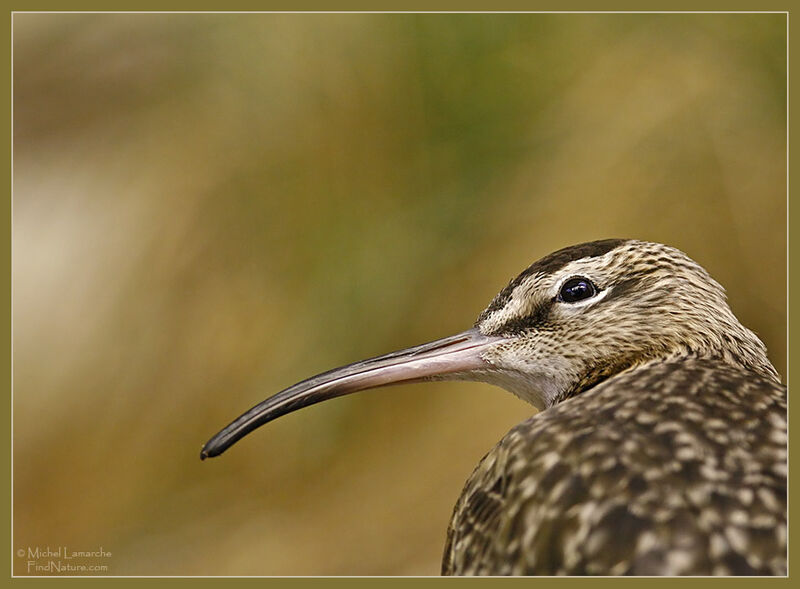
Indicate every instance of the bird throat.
{"type": "Point", "coordinates": [600, 372]}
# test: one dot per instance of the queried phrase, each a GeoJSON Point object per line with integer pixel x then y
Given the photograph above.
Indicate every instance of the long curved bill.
{"type": "Point", "coordinates": [452, 357]}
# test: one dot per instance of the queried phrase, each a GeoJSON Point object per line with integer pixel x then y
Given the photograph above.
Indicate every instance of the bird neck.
{"type": "Point", "coordinates": [742, 358]}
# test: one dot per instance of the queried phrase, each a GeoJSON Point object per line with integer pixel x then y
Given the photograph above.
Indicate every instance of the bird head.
{"type": "Point", "coordinates": [587, 312]}
{"type": "Point", "coordinates": [566, 323]}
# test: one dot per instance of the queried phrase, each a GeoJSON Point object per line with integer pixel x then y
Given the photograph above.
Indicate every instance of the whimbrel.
{"type": "Point", "coordinates": [660, 445]}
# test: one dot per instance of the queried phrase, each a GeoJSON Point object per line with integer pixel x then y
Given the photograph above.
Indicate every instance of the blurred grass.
{"type": "Point", "coordinates": [208, 208]}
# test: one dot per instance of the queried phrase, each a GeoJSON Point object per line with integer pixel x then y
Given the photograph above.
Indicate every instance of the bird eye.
{"type": "Point", "coordinates": [577, 289]}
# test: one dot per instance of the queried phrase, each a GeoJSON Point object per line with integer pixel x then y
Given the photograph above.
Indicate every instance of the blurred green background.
{"type": "Point", "coordinates": [208, 208]}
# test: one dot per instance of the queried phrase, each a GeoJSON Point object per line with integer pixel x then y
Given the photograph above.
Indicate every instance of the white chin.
{"type": "Point", "coordinates": [537, 389]}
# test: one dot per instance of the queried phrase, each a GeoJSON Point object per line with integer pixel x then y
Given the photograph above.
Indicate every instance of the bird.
{"type": "Point", "coordinates": [659, 445]}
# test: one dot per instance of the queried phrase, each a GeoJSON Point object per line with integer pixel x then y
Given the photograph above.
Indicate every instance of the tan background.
{"type": "Point", "coordinates": [208, 208]}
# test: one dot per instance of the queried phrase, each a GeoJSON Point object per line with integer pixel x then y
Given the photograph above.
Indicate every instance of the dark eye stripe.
{"type": "Point", "coordinates": [539, 318]}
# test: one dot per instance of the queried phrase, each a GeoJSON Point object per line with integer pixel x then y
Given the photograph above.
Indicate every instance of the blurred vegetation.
{"type": "Point", "coordinates": [208, 208]}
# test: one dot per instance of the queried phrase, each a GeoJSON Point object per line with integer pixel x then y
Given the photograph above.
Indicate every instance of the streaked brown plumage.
{"type": "Point", "coordinates": [661, 445]}
{"type": "Point", "coordinates": [673, 468]}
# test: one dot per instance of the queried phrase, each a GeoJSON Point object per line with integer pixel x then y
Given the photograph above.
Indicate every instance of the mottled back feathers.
{"type": "Point", "coordinates": [674, 468]}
